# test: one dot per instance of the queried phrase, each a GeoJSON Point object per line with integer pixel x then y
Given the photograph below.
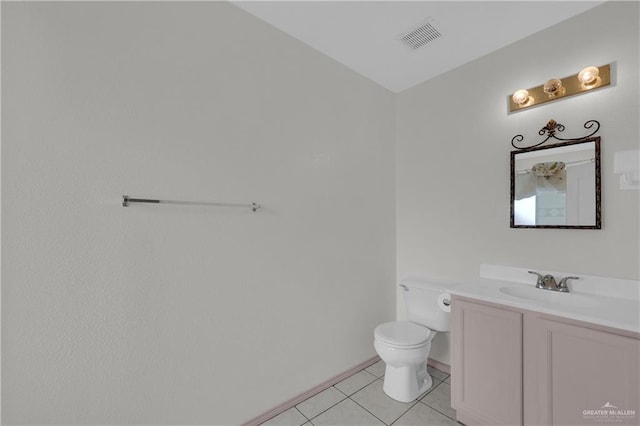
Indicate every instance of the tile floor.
{"type": "Point", "coordinates": [359, 400]}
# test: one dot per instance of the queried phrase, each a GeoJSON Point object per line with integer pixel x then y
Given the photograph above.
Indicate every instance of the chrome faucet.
{"type": "Point", "coordinates": [562, 285]}
{"type": "Point", "coordinates": [548, 282]}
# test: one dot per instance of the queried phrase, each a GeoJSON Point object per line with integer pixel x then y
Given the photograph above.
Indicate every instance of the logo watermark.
{"type": "Point", "coordinates": [609, 413]}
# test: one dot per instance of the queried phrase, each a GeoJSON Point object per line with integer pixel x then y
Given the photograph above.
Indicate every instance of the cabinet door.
{"type": "Point", "coordinates": [486, 363]}
{"type": "Point", "coordinates": [584, 376]}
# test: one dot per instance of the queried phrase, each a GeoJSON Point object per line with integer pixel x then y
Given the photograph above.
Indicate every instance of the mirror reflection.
{"type": "Point", "coordinates": [557, 186]}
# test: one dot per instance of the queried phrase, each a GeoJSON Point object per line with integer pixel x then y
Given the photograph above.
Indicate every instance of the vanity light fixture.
{"type": "Point", "coordinates": [553, 88]}
{"type": "Point", "coordinates": [589, 78]}
{"type": "Point", "coordinates": [521, 97]}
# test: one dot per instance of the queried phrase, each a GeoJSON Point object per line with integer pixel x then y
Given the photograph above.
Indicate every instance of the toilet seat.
{"type": "Point", "coordinates": [403, 334]}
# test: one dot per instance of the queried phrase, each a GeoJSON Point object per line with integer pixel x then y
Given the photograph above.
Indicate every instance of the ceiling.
{"type": "Point", "coordinates": [365, 35]}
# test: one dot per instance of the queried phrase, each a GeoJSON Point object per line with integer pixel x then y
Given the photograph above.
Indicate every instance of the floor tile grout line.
{"type": "Point", "coordinates": [356, 391]}
{"type": "Point", "coordinates": [341, 391]}
{"type": "Point", "coordinates": [334, 386]}
{"type": "Point", "coordinates": [345, 397]}
{"type": "Point", "coordinates": [435, 409]}
{"type": "Point", "coordinates": [381, 378]}
{"type": "Point", "coordinates": [431, 389]}
{"type": "Point", "coordinates": [298, 410]}
{"type": "Point", "coordinates": [428, 391]}
{"type": "Point", "coordinates": [365, 371]}
{"type": "Point", "coordinates": [324, 411]}
{"type": "Point", "coordinates": [383, 422]}
{"type": "Point", "coordinates": [417, 400]}
{"type": "Point", "coordinates": [433, 386]}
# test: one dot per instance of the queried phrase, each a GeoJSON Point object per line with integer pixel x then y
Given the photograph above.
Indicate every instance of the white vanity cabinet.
{"type": "Point", "coordinates": [486, 363]}
{"type": "Point", "coordinates": [579, 373]}
{"type": "Point", "coordinates": [512, 366]}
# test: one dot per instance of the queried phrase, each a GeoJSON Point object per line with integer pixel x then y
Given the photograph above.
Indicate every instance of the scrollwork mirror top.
{"type": "Point", "coordinates": [557, 185]}
{"type": "Point", "coordinates": [550, 130]}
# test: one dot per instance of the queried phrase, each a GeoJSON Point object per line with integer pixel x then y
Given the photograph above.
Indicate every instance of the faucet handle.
{"type": "Point", "coordinates": [540, 283]}
{"type": "Point", "coordinates": [562, 285]}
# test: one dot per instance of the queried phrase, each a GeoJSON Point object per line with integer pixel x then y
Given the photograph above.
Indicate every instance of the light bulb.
{"type": "Point", "coordinates": [589, 76]}
{"type": "Point", "coordinates": [553, 88]}
{"type": "Point", "coordinates": [520, 97]}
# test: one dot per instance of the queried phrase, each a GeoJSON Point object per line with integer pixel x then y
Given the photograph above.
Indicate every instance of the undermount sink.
{"type": "Point", "coordinates": [549, 296]}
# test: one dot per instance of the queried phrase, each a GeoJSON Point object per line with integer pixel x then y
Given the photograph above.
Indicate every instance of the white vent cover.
{"type": "Point", "coordinates": [420, 35]}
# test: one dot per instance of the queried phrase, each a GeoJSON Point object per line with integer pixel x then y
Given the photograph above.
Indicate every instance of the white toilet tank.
{"type": "Point", "coordinates": [421, 302]}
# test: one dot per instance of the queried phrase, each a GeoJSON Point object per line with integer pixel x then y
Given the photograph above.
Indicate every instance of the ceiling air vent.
{"type": "Point", "coordinates": [420, 35]}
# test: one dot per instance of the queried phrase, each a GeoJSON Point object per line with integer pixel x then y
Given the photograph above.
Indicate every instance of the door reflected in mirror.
{"type": "Point", "coordinates": [556, 186]}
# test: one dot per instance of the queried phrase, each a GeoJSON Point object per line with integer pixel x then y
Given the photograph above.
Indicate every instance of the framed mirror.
{"type": "Point", "coordinates": [557, 186]}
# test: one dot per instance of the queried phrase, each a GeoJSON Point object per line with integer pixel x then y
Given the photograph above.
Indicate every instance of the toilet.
{"type": "Point", "coordinates": [404, 345]}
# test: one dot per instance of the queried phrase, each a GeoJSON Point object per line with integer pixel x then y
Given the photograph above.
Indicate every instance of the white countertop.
{"type": "Point", "coordinates": [613, 312]}
{"type": "Point", "coordinates": [615, 309]}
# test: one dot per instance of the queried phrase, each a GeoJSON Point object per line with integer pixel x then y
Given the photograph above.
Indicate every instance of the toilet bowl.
{"type": "Point", "coordinates": [404, 345]}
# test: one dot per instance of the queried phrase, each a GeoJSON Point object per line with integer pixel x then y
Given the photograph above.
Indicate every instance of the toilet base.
{"type": "Point", "coordinates": [406, 383]}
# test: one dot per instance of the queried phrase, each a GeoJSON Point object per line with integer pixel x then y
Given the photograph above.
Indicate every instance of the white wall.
{"type": "Point", "coordinates": [184, 315]}
{"type": "Point", "coordinates": [453, 150]}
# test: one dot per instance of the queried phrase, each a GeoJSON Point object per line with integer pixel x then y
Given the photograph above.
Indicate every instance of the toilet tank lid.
{"type": "Point", "coordinates": [438, 284]}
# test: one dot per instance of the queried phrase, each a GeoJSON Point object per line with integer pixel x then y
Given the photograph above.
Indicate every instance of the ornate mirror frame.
{"type": "Point", "coordinates": [550, 131]}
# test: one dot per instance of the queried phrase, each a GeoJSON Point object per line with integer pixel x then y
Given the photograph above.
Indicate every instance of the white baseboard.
{"type": "Point", "coordinates": [308, 394]}
{"type": "Point", "coordinates": [326, 384]}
